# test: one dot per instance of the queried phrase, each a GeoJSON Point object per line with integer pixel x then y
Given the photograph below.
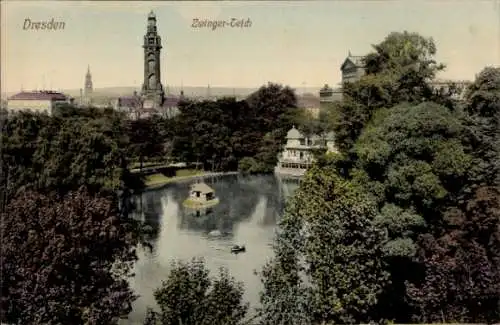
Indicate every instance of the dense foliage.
{"type": "Point", "coordinates": [398, 70]}
{"type": "Point", "coordinates": [402, 225]}
{"type": "Point", "coordinates": [189, 296]}
{"type": "Point", "coordinates": [328, 265]}
{"type": "Point", "coordinates": [54, 153]}
{"type": "Point", "coordinates": [462, 264]}
{"type": "Point", "coordinates": [64, 260]}
{"type": "Point", "coordinates": [428, 167]}
{"type": "Point", "coordinates": [65, 251]}
{"type": "Point", "coordinates": [221, 133]}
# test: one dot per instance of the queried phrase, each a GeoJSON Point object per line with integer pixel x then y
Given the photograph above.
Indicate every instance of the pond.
{"type": "Point", "coordinates": [247, 214]}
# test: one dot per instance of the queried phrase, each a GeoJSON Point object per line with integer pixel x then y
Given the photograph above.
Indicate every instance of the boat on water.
{"type": "Point", "coordinates": [238, 249]}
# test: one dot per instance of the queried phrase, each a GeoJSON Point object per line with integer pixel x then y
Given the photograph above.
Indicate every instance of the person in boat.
{"type": "Point", "coordinates": [238, 248]}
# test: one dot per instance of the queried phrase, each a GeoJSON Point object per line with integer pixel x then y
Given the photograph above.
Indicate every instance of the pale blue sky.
{"type": "Point", "coordinates": [289, 42]}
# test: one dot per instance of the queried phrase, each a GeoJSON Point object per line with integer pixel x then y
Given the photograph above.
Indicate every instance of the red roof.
{"type": "Point", "coordinates": [39, 95]}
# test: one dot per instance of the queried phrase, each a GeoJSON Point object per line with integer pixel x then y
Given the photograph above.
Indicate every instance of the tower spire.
{"type": "Point", "coordinates": [88, 87]}
{"type": "Point", "coordinates": [152, 89]}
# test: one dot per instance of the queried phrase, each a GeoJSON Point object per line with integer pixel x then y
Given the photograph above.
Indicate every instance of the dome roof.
{"type": "Point", "coordinates": [294, 134]}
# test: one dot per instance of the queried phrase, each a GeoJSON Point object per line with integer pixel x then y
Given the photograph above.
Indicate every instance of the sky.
{"type": "Point", "coordinates": [301, 44]}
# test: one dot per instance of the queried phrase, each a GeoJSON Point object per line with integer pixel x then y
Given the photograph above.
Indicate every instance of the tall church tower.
{"type": "Point", "coordinates": [152, 89]}
{"type": "Point", "coordinates": [87, 94]}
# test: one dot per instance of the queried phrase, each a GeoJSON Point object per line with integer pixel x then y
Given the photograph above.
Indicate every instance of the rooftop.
{"type": "Point", "coordinates": [39, 95]}
{"type": "Point", "coordinates": [357, 60]}
{"type": "Point", "coordinates": [201, 187]}
{"type": "Point", "coordinates": [294, 134]}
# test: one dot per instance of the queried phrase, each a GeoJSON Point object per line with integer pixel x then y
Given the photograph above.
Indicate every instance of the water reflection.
{"type": "Point", "coordinates": [247, 214]}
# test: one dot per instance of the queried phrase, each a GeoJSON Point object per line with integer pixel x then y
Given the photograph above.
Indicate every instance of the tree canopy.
{"type": "Point", "coordinates": [190, 296]}
{"type": "Point", "coordinates": [223, 132]}
{"type": "Point", "coordinates": [65, 260]}
{"type": "Point", "coordinates": [410, 203]}
{"type": "Point", "coordinates": [328, 265]}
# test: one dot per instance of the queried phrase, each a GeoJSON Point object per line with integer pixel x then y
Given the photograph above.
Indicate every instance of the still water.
{"type": "Point", "coordinates": [247, 214]}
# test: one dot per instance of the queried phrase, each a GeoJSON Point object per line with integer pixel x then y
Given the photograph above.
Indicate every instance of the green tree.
{"type": "Point", "coordinates": [190, 296]}
{"type": "Point", "coordinates": [273, 107]}
{"type": "Point", "coordinates": [329, 263]}
{"type": "Point", "coordinates": [220, 133]}
{"type": "Point", "coordinates": [398, 70]}
{"type": "Point", "coordinates": [249, 165]}
{"type": "Point", "coordinates": [413, 157]}
{"type": "Point", "coordinates": [460, 256]}
{"type": "Point", "coordinates": [413, 162]}
{"type": "Point", "coordinates": [462, 265]}
{"type": "Point", "coordinates": [52, 153]}
{"type": "Point", "coordinates": [146, 139]}
{"type": "Point", "coordinates": [65, 260]}
{"type": "Point", "coordinates": [483, 122]}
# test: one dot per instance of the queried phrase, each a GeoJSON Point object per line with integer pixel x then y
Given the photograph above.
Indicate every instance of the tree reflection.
{"type": "Point", "coordinates": [238, 195]}
{"type": "Point", "coordinates": [238, 199]}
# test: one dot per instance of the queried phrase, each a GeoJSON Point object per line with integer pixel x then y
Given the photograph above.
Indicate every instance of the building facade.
{"type": "Point", "coordinates": [37, 101]}
{"type": "Point", "coordinates": [457, 88]}
{"type": "Point", "coordinates": [328, 95]}
{"type": "Point", "coordinates": [134, 108]}
{"type": "Point", "coordinates": [298, 154]}
{"type": "Point", "coordinates": [353, 68]}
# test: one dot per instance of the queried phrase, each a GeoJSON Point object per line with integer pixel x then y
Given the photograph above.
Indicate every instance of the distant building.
{"type": "Point", "coordinates": [130, 105]}
{"type": "Point", "coordinates": [353, 68]}
{"type": "Point", "coordinates": [298, 154]}
{"type": "Point", "coordinates": [310, 103]}
{"type": "Point", "coordinates": [152, 100]}
{"type": "Point", "coordinates": [460, 87]}
{"type": "Point", "coordinates": [328, 95]}
{"type": "Point", "coordinates": [37, 101]}
{"type": "Point", "coordinates": [88, 89]}
{"type": "Point", "coordinates": [134, 108]}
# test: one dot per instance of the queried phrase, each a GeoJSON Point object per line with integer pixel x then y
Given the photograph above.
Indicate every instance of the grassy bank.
{"type": "Point", "coordinates": [160, 179]}
{"type": "Point", "coordinates": [189, 203]}
{"type": "Point", "coordinates": [146, 164]}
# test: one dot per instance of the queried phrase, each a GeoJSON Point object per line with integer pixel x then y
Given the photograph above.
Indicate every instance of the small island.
{"type": "Point", "coordinates": [200, 196]}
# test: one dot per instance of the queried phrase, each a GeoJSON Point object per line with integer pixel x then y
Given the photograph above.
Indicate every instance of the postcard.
{"type": "Point", "coordinates": [203, 88]}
